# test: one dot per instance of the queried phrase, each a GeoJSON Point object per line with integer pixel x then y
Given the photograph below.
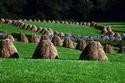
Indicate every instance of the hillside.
{"type": "Point", "coordinates": [65, 69]}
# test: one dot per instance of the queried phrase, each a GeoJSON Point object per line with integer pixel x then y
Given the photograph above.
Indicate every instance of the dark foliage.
{"type": "Point", "coordinates": [78, 10]}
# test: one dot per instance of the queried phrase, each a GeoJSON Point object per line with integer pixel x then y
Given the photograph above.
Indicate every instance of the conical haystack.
{"type": "Point", "coordinates": [7, 49]}
{"type": "Point", "coordinates": [34, 39]}
{"type": "Point", "coordinates": [29, 27]}
{"type": "Point", "coordinates": [108, 48]}
{"type": "Point", "coordinates": [57, 41]}
{"type": "Point", "coordinates": [39, 29]}
{"type": "Point", "coordinates": [61, 34]}
{"type": "Point", "coordinates": [23, 38]}
{"type": "Point", "coordinates": [44, 37]}
{"type": "Point", "coordinates": [45, 50]}
{"type": "Point", "coordinates": [109, 29]}
{"type": "Point", "coordinates": [34, 28]}
{"type": "Point", "coordinates": [10, 37]}
{"type": "Point", "coordinates": [51, 31]}
{"type": "Point", "coordinates": [93, 51]}
{"type": "Point", "coordinates": [47, 33]}
{"type": "Point", "coordinates": [68, 43]}
{"type": "Point", "coordinates": [104, 30]}
{"type": "Point", "coordinates": [2, 20]}
{"type": "Point", "coordinates": [81, 45]}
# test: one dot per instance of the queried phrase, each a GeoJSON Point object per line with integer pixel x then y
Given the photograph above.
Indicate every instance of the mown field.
{"type": "Point", "coordinates": [69, 28]}
{"type": "Point", "coordinates": [14, 29]}
{"type": "Point", "coordinates": [116, 26]}
{"type": "Point", "coordinates": [66, 69]}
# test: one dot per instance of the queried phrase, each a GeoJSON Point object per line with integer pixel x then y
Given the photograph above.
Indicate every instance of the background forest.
{"type": "Point", "coordinates": [77, 10]}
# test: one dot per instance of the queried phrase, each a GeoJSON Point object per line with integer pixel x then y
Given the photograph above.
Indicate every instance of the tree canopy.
{"type": "Point", "coordinates": [79, 10]}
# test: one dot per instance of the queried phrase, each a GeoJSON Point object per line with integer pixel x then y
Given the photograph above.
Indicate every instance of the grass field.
{"type": "Point", "coordinates": [116, 26]}
{"type": "Point", "coordinates": [27, 50]}
{"type": "Point", "coordinates": [66, 69]}
{"type": "Point", "coordinates": [69, 28]}
{"type": "Point", "coordinates": [13, 29]}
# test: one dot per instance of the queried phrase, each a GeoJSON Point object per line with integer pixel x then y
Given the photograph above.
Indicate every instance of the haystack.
{"type": "Point", "coordinates": [7, 49]}
{"type": "Point", "coordinates": [57, 41]}
{"type": "Point", "coordinates": [68, 43]}
{"type": "Point", "coordinates": [25, 26]}
{"type": "Point", "coordinates": [23, 38]}
{"type": "Point", "coordinates": [93, 51]}
{"type": "Point", "coordinates": [109, 29]}
{"type": "Point", "coordinates": [45, 50]}
{"type": "Point", "coordinates": [47, 32]}
{"type": "Point", "coordinates": [104, 30]}
{"type": "Point", "coordinates": [51, 31]}
{"type": "Point", "coordinates": [56, 33]}
{"type": "Point", "coordinates": [44, 37]}
{"type": "Point", "coordinates": [117, 35]}
{"type": "Point", "coordinates": [81, 45]}
{"type": "Point", "coordinates": [2, 20]}
{"type": "Point", "coordinates": [39, 29]}
{"type": "Point", "coordinates": [108, 48]}
{"type": "Point", "coordinates": [34, 39]}
{"type": "Point", "coordinates": [61, 34]}
{"type": "Point", "coordinates": [44, 30]}
{"type": "Point", "coordinates": [34, 28]}
{"type": "Point", "coordinates": [10, 37]}
{"type": "Point", "coordinates": [29, 27]}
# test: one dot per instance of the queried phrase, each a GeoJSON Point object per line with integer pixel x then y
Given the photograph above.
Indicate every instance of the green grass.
{"type": "Point", "coordinates": [69, 28]}
{"type": "Point", "coordinates": [56, 71]}
{"type": "Point", "coordinates": [116, 26]}
{"type": "Point", "coordinates": [112, 23]}
{"type": "Point", "coordinates": [66, 69]}
{"type": "Point", "coordinates": [27, 50]}
{"type": "Point", "coordinates": [13, 29]}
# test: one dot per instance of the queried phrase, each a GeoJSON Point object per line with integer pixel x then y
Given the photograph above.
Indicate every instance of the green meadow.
{"type": "Point", "coordinates": [67, 69]}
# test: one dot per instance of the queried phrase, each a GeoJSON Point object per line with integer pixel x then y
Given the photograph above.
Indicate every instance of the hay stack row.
{"type": "Point", "coordinates": [49, 21]}
{"type": "Point", "coordinates": [33, 28]}
{"type": "Point", "coordinates": [57, 41]}
{"type": "Point", "coordinates": [55, 21]}
{"type": "Point", "coordinates": [46, 49]}
{"type": "Point", "coordinates": [105, 30]}
{"type": "Point", "coordinates": [26, 38]}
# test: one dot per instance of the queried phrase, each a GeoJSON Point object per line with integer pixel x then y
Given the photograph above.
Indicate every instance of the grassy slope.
{"type": "Point", "coordinates": [18, 71]}
{"type": "Point", "coordinates": [26, 51]}
{"type": "Point", "coordinates": [66, 69]}
{"type": "Point", "coordinates": [69, 28]}
{"type": "Point", "coordinates": [116, 26]}
{"type": "Point", "coordinates": [13, 29]}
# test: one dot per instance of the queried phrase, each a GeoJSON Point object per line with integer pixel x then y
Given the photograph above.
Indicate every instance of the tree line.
{"type": "Point", "coordinates": [77, 10]}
